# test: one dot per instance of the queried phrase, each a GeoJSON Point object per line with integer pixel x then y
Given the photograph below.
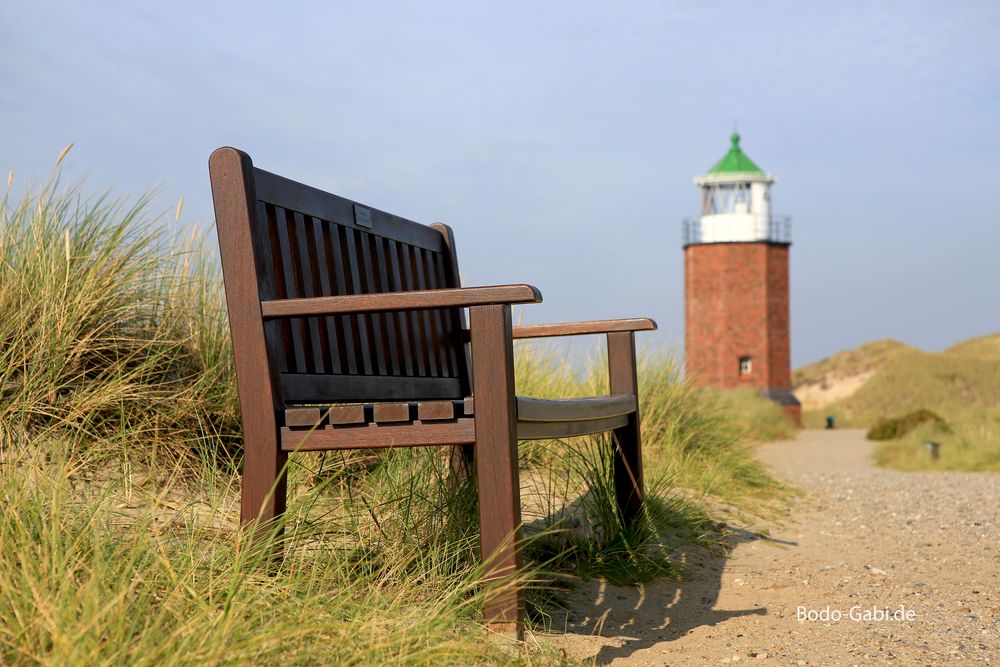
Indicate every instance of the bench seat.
{"type": "Point", "coordinates": [445, 422]}
{"type": "Point", "coordinates": [351, 330]}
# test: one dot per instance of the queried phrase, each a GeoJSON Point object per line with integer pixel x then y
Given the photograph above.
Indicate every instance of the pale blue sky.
{"type": "Point", "coordinates": [560, 139]}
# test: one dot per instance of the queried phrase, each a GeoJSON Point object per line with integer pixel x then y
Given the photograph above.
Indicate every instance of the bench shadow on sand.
{"type": "Point", "coordinates": [651, 613]}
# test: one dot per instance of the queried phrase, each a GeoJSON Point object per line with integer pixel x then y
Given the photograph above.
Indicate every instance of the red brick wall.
{"type": "Point", "coordinates": [736, 304]}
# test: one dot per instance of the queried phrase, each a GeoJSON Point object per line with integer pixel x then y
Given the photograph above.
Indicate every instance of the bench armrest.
{"type": "Point", "coordinates": [462, 297]}
{"type": "Point", "coordinates": [581, 328]}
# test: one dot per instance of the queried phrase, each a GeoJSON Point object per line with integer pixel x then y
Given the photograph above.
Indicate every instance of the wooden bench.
{"type": "Point", "coordinates": [349, 332]}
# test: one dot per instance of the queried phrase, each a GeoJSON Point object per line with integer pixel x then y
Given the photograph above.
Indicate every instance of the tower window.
{"type": "Point", "coordinates": [727, 198]}
{"type": "Point", "coordinates": [746, 365]}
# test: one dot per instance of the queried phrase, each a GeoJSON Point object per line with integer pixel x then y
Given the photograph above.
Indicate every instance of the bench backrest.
{"type": "Point", "coordinates": [308, 243]}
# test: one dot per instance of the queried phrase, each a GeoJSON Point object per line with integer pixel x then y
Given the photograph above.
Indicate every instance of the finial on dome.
{"type": "Point", "coordinates": [735, 138]}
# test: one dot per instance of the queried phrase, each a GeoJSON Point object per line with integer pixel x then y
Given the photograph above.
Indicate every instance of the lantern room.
{"type": "Point", "coordinates": [736, 203]}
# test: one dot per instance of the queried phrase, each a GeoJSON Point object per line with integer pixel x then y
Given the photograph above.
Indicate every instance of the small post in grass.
{"type": "Point", "coordinates": [933, 448]}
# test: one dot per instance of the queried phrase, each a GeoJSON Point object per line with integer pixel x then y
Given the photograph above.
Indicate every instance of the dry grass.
{"type": "Point", "coordinates": [962, 384]}
{"type": "Point", "coordinates": [120, 439]}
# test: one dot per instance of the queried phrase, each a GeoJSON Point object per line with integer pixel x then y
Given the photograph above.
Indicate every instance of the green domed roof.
{"type": "Point", "coordinates": [735, 161]}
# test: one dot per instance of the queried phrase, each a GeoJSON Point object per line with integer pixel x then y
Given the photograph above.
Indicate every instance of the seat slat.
{"type": "Point", "coordinates": [373, 436]}
{"type": "Point", "coordinates": [303, 416]}
{"type": "Point", "coordinates": [392, 412]}
{"type": "Point", "coordinates": [438, 410]}
{"type": "Point", "coordinates": [564, 429]}
{"type": "Point", "coordinates": [574, 409]}
{"type": "Point", "coordinates": [347, 414]}
{"type": "Point", "coordinates": [586, 412]}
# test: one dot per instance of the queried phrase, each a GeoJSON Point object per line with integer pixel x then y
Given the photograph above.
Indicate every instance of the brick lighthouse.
{"type": "Point", "coordinates": [736, 284]}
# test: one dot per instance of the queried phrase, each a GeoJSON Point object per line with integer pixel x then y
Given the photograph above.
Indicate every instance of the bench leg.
{"type": "Point", "coordinates": [496, 467]}
{"type": "Point", "coordinates": [264, 478]}
{"type": "Point", "coordinates": [626, 440]}
{"type": "Point", "coordinates": [461, 459]}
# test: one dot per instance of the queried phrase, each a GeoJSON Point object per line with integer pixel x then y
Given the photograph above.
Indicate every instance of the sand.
{"type": "Point", "coordinates": [922, 549]}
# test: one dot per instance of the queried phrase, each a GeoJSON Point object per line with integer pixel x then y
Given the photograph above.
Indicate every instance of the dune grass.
{"type": "Point", "coordinates": [861, 359]}
{"type": "Point", "coordinates": [757, 418]}
{"type": "Point", "coordinates": [961, 384]}
{"type": "Point", "coordinates": [86, 579]}
{"type": "Point", "coordinates": [120, 444]}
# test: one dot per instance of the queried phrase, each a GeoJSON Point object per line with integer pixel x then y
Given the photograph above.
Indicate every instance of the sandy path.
{"type": "Point", "coordinates": [862, 537]}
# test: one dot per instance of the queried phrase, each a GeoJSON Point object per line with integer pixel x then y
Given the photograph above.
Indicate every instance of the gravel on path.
{"type": "Point", "coordinates": [875, 566]}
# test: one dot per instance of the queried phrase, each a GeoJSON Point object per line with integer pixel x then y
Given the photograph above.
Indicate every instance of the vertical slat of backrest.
{"type": "Point", "coordinates": [353, 272]}
{"type": "Point", "coordinates": [438, 346]}
{"type": "Point", "coordinates": [379, 340]}
{"type": "Point", "coordinates": [277, 332]}
{"type": "Point", "coordinates": [451, 344]}
{"type": "Point", "coordinates": [403, 319]}
{"type": "Point", "coordinates": [426, 321]}
{"type": "Point", "coordinates": [390, 319]}
{"type": "Point", "coordinates": [406, 271]}
{"type": "Point", "coordinates": [288, 273]}
{"type": "Point", "coordinates": [347, 324]}
{"type": "Point", "coordinates": [324, 287]}
{"type": "Point", "coordinates": [458, 315]}
{"type": "Point", "coordinates": [325, 245]}
{"type": "Point", "coordinates": [423, 317]}
{"type": "Point", "coordinates": [307, 263]}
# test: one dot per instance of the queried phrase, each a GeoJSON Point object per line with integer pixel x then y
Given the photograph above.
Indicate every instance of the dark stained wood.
{"type": "Point", "coordinates": [347, 414]}
{"type": "Point", "coordinates": [392, 412]}
{"type": "Point", "coordinates": [417, 300]}
{"type": "Point", "coordinates": [428, 339]}
{"type": "Point", "coordinates": [318, 350]}
{"type": "Point", "coordinates": [574, 409]}
{"type": "Point", "coordinates": [563, 429]}
{"type": "Point", "coordinates": [403, 319]}
{"type": "Point", "coordinates": [626, 439]}
{"type": "Point", "coordinates": [353, 272]}
{"type": "Point", "coordinates": [436, 410]}
{"type": "Point", "coordinates": [243, 261]}
{"type": "Point", "coordinates": [349, 332]}
{"type": "Point", "coordinates": [347, 327]}
{"type": "Point", "coordinates": [291, 287]}
{"type": "Point", "coordinates": [310, 201]}
{"type": "Point", "coordinates": [315, 388]}
{"type": "Point", "coordinates": [331, 336]}
{"type": "Point", "coordinates": [583, 328]}
{"type": "Point", "coordinates": [377, 436]}
{"type": "Point", "coordinates": [302, 416]}
{"type": "Point", "coordinates": [496, 464]}
{"type": "Point", "coordinates": [457, 326]}
{"type": "Point", "coordinates": [390, 320]}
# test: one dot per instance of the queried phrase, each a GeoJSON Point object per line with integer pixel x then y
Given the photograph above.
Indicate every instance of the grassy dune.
{"type": "Point", "coordinates": [120, 445]}
{"type": "Point", "coordinates": [962, 384]}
